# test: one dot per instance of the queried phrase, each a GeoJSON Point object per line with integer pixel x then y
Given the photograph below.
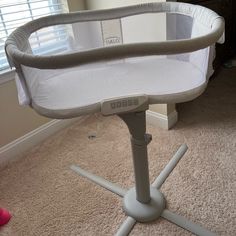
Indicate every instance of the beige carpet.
{"type": "Point", "coordinates": [47, 198]}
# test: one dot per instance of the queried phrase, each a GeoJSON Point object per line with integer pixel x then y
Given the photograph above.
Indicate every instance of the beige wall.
{"type": "Point", "coordinates": [103, 4]}
{"type": "Point", "coordinates": [16, 120]}
{"type": "Point", "coordinates": [76, 5]}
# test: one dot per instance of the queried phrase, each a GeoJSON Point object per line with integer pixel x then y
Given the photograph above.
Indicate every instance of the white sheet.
{"type": "Point", "coordinates": [88, 85]}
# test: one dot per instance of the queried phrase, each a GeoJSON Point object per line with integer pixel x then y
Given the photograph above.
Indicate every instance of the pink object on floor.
{"type": "Point", "coordinates": [5, 216]}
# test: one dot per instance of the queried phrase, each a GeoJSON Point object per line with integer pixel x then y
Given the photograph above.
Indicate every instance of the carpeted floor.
{"type": "Point", "coordinates": [47, 198]}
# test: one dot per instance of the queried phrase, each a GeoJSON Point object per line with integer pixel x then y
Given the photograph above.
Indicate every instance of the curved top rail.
{"type": "Point", "coordinates": [20, 36]}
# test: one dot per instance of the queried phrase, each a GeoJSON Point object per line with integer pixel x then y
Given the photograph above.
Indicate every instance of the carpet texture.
{"type": "Point", "coordinates": [46, 198]}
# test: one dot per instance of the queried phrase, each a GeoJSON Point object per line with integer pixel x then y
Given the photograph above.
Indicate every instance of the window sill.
{"type": "Point", "coordinates": [6, 76]}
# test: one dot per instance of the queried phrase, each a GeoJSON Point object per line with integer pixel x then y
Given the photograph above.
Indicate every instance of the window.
{"type": "Point", "coordinates": [14, 13]}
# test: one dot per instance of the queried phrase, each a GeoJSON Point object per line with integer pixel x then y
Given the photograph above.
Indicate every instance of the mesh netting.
{"type": "Point", "coordinates": [79, 88]}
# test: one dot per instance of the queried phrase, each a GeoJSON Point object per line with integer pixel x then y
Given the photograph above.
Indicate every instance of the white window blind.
{"type": "Point", "coordinates": [14, 13]}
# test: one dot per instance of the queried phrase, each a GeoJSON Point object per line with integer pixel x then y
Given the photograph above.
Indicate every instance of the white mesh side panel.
{"type": "Point", "coordinates": [184, 27]}
{"type": "Point", "coordinates": [154, 75]}
{"type": "Point", "coordinates": [144, 28]}
{"type": "Point", "coordinates": [179, 27]}
{"type": "Point", "coordinates": [91, 84]}
{"type": "Point", "coordinates": [23, 96]}
{"type": "Point", "coordinates": [200, 58]}
{"type": "Point", "coordinates": [87, 35]}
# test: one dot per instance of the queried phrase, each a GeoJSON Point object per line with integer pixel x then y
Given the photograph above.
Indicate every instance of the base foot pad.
{"type": "Point", "coordinates": [144, 212]}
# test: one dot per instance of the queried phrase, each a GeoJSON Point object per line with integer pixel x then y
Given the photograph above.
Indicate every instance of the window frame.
{"type": "Point", "coordinates": [8, 74]}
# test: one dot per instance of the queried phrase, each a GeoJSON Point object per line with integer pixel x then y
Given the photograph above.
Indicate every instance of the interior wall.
{"type": "Point", "coordinates": [104, 4]}
{"type": "Point", "coordinates": [16, 120]}
{"type": "Point", "coordinates": [75, 5]}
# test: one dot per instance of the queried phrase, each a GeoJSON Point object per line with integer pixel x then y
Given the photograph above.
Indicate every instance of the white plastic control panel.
{"type": "Point", "coordinates": [124, 104]}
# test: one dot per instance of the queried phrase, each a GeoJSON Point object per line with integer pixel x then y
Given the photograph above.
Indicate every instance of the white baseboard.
{"type": "Point", "coordinates": [160, 120]}
{"type": "Point", "coordinates": [16, 149]}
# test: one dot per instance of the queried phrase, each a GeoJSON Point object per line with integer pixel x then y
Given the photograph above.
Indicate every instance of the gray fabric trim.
{"type": "Point", "coordinates": [18, 40]}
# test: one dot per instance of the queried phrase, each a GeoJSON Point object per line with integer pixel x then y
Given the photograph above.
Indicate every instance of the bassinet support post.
{"type": "Point", "coordinates": [144, 202]}
{"type": "Point", "coordinates": [139, 140]}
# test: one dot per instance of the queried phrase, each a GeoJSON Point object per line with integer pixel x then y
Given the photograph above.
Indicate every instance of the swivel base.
{"type": "Point", "coordinates": [140, 212]}
{"type": "Point", "coordinates": [144, 212]}
{"type": "Point", "coordinates": [144, 203]}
